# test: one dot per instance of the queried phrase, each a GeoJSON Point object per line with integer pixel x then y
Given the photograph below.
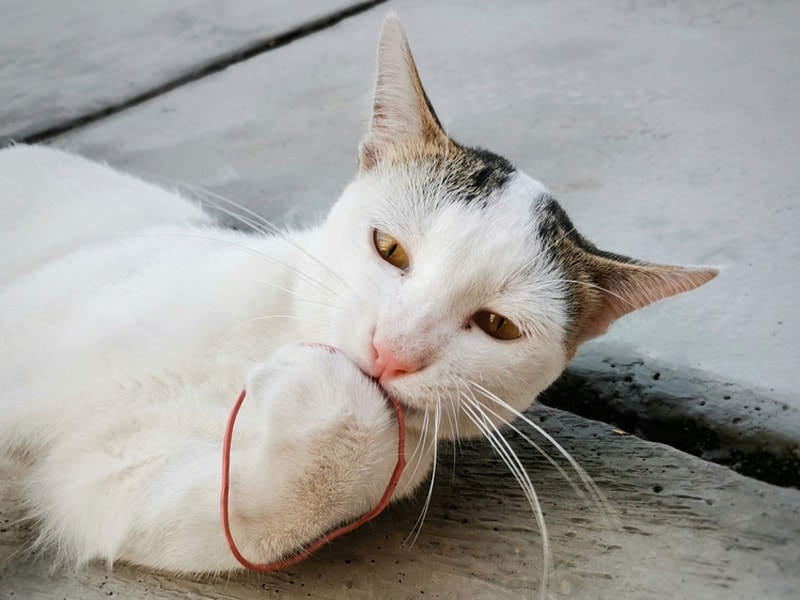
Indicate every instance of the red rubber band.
{"type": "Point", "coordinates": [303, 553]}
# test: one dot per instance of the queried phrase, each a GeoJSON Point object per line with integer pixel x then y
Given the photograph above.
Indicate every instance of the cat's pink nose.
{"type": "Point", "coordinates": [387, 366]}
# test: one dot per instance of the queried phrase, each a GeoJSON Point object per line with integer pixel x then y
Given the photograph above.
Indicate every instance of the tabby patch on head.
{"type": "Point", "coordinates": [404, 129]}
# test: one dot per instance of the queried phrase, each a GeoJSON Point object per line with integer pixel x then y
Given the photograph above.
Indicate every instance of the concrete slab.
{"type": "Point", "coordinates": [663, 132]}
{"type": "Point", "coordinates": [684, 528]}
{"type": "Point", "coordinates": [59, 63]}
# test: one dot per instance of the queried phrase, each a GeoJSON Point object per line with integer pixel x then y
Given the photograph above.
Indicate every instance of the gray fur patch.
{"type": "Point", "coordinates": [472, 174]}
{"type": "Point", "coordinates": [556, 227]}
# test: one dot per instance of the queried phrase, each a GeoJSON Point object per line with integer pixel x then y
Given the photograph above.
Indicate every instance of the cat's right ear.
{"type": "Point", "coordinates": [622, 285]}
{"type": "Point", "coordinates": [402, 115]}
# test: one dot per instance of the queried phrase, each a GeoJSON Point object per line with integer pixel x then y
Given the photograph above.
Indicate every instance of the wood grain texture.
{"type": "Point", "coordinates": [683, 528]}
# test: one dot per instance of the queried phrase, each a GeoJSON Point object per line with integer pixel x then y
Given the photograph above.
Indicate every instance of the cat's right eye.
{"type": "Point", "coordinates": [390, 249]}
{"type": "Point", "coordinates": [497, 326]}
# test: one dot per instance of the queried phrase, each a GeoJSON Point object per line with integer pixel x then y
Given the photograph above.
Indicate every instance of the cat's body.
{"type": "Point", "coordinates": [125, 342]}
{"type": "Point", "coordinates": [129, 321]}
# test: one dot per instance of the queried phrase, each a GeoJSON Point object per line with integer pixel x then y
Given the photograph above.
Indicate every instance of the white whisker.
{"type": "Point", "coordinates": [292, 294]}
{"type": "Point", "coordinates": [591, 486]}
{"type": "Point", "coordinates": [536, 447]}
{"type": "Point", "coordinates": [475, 413]}
{"type": "Point", "coordinates": [435, 438]}
{"type": "Point", "coordinates": [420, 447]}
{"type": "Point", "coordinates": [452, 416]}
{"type": "Point", "coordinates": [594, 286]}
{"type": "Point", "coordinates": [246, 249]}
{"type": "Point", "coordinates": [253, 220]}
{"type": "Point", "coordinates": [575, 487]}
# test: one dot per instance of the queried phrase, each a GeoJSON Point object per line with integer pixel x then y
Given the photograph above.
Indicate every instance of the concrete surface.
{"type": "Point", "coordinates": [58, 62]}
{"type": "Point", "coordinates": [720, 421]}
{"type": "Point", "coordinates": [669, 131]}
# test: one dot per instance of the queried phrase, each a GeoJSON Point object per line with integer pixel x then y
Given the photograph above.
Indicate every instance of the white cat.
{"type": "Point", "coordinates": [129, 321]}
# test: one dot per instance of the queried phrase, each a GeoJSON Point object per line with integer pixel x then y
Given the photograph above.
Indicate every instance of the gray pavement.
{"type": "Point", "coordinates": [668, 130]}
{"type": "Point", "coordinates": [58, 64]}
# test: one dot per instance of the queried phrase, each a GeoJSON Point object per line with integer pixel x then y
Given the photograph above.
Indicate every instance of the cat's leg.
{"type": "Point", "coordinates": [314, 445]}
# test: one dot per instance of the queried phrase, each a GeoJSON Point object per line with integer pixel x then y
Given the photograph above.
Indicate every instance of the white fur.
{"type": "Point", "coordinates": [129, 322]}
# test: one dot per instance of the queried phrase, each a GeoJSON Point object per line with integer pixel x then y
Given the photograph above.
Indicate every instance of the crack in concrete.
{"type": "Point", "coordinates": [723, 423]}
{"type": "Point", "coordinates": [214, 65]}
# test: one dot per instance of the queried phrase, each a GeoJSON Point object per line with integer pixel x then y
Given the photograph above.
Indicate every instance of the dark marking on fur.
{"type": "Point", "coordinates": [564, 247]}
{"type": "Point", "coordinates": [474, 173]}
{"type": "Point", "coordinates": [555, 225]}
{"type": "Point", "coordinates": [429, 106]}
{"type": "Point", "coordinates": [602, 286]}
{"type": "Point", "coordinates": [582, 263]}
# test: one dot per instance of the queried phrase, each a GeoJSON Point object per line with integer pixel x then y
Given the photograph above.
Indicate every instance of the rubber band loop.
{"type": "Point", "coordinates": [303, 553]}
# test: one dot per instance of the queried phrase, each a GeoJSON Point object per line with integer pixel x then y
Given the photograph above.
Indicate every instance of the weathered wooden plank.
{"type": "Point", "coordinates": [59, 61]}
{"type": "Point", "coordinates": [683, 528]}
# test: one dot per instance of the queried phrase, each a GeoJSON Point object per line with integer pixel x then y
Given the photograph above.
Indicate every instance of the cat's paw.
{"type": "Point", "coordinates": [315, 390]}
{"type": "Point", "coordinates": [330, 440]}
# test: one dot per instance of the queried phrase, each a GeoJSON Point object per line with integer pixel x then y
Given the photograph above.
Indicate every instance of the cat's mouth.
{"type": "Point", "coordinates": [411, 413]}
{"type": "Point", "coordinates": [390, 397]}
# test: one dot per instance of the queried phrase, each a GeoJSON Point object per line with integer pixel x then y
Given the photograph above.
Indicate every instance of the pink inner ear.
{"type": "Point", "coordinates": [628, 287]}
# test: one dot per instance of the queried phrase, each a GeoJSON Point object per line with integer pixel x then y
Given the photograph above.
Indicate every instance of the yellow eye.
{"type": "Point", "coordinates": [389, 249]}
{"type": "Point", "coordinates": [496, 325]}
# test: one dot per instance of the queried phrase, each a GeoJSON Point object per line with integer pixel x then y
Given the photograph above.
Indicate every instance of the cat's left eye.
{"type": "Point", "coordinates": [497, 326]}
{"type": "Point", "coordinates": [390, 249]}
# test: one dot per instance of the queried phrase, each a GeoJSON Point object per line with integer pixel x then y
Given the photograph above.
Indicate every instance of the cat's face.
{"type": "Point", "coordinates": [460, 269]}
{"type": "Point", "coordinates": [462, 255]}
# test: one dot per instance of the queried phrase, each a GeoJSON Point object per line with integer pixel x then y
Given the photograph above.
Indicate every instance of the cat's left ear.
{"type": "Point", "coordinates": [620, 287]}
{"type": "Point", "coordinates": [401, 113]}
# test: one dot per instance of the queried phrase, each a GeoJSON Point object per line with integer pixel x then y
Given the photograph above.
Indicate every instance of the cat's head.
{"type": "Point", "coordinates": [460, 281]}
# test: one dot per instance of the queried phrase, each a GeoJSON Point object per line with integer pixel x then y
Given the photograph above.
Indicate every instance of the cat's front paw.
{"type": "Point", "coordinates": [330, 440]}
{"type": "Point", "coordinates": [314, 391]}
